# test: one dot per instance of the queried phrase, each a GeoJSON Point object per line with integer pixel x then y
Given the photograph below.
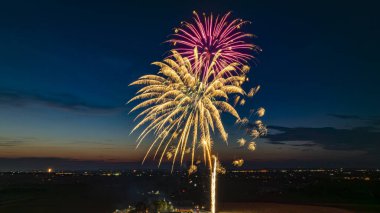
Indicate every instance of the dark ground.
{"type": "Point", "coordinates": [42, 192]}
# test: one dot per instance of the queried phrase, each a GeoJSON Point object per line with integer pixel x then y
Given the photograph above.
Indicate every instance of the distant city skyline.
{"type": "Point", "coordinates": [65, 69]}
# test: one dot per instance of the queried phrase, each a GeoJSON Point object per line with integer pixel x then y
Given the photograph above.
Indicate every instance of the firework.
{"type": "Point", "coordinates": [192, 169]}
{"type": "Point", "coordinates": [254, 133]}
{"type": "Point", "coordinates": [214, 36]}
{"type": "Point", "coordinates": [242, 122]}
{"type": "Point", "coordinates": [258, 122]}
{"type": "Point", "coordinates": [261, 128]}
{"type": "Point", "coordinates": [179, 104]}
{"type": "Point", "coordinates": [260, 112]}
{"type": "Point", "coordinates": [241, 142]}
{"type": "Point", "coordinates": [182, 105]}
{"type": "Point", "coordinates": [252, 146]}
{"type": "Point", "coordinates": [238, 162]}
{"type": "Point", "coordinates": [253, 91]}
{"type": "Point", "coordinates": [219, 168]}
{"type": "Point", "coordinates": [213, 185]}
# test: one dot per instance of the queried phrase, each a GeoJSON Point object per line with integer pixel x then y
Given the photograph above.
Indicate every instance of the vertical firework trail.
{"type": "Point", "coordinates": [213, 186]}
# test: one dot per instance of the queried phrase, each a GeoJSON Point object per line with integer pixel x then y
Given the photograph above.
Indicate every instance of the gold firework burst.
{"type": "Point", "coordinates": [241, 141]}
{"type": "Point", "coordinates": [180, 103]}
{"type": "Point", "coordinates": [238, 162]}
{"type": "Point", "coordinates": [260, 112]}
{"type": "Point", "coordinates": [252, 146]}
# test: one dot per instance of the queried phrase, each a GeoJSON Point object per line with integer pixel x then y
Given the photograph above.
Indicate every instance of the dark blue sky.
{"type": "Point", "coordinates": [65, 67]}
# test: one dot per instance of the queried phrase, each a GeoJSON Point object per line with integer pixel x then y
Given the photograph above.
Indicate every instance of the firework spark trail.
{"type": "Point", "coordinates": [213, 186]}
{"type": "Point", "coordinates": [213, 36]}
{"type": "Point", "coordinates": [180, 104]}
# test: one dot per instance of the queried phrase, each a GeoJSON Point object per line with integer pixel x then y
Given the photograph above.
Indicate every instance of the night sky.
{"type": "Point", "coordinates": [65, 67]}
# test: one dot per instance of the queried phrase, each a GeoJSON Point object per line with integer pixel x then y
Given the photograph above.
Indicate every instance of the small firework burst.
{"type": "Point", "coordinates": [238, 162]}
{"type": "Point", "coordinates": [253, 91]}
{"type": "Point", "coordinates": [260, 112]}
{"type": "Point", "coordinates": [220, 169]}
{"type": "Point", "coordinates": [241, 142]}
{"type": "Point", "coordinates": [242, 121]}
{"type": "Point", "coordinates": [252, 146]}
{"type": "Point", "coordinates": [261, 128]}
{"type": "Point", "coordinates": [254, 133]}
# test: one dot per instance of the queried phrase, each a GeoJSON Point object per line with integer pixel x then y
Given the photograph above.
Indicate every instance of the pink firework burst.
{"type": "Point", "coordinates": [214, 36]}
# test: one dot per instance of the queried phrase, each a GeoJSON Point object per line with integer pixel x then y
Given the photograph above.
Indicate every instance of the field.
{"type": "Point", "coordinates": [245, 193]}
{"type": "Point", "coordinates": [276, 208]}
